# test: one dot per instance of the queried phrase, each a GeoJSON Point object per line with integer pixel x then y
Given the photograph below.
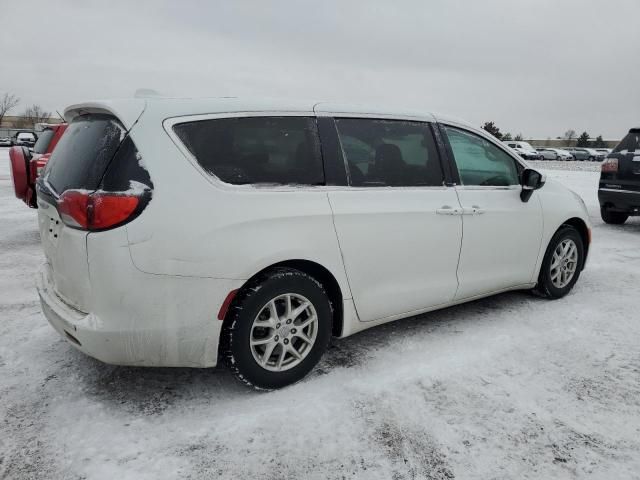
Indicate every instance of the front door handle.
{"type": "Point", "coordinates": [477, 210]}
{"type": "Point", "coordinates": [448, 210]}
{"type": "Point", "coordinates": [474, 210]}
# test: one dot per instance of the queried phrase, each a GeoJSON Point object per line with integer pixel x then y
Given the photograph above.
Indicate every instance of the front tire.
{"type": "Point", "coordinates": [613, 218]}
{"type": "Point", "coordinates": [277, 329]}
{"type": "Point", "coordinates": [562, 263]}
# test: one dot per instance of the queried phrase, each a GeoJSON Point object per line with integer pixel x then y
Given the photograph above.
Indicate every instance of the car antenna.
{"type": "Point", "coordinates": [63, 120]}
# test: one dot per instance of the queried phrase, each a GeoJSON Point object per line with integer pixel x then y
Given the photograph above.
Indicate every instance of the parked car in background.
{"type": "Point", "coordinates": [605, 151]}
{"type": "Point", "coordinates": [5, 142]}
{"type": "Point", "coordinates": [550, 153]}
{"type": "Point", "coordinates": [525, 150]}
{"type": "Point", "coordinates": [578, 153]}
{"type": "Point", "coordinates": [554, 153]}
{"type": "Point", "coordinates": [25, 139]}
{"type": "Point", "coordinates": [546, 154]}
{"type": "Point", "coordinates": [594, 155]}
{"type": "Point", "coordinates": [619, 188]}
{"type": "Point", "coordinates": [27, 164]}
{"type": "Point", "coordinates": [141, 270]}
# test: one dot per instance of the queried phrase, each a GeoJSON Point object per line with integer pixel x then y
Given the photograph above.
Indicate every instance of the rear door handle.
{"type": "Point", "coordinates": [447, 210]}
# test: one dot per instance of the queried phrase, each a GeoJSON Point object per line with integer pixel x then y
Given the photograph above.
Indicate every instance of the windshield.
{"type": "Point", "coordinates": [526, 146]}
{"type": "Point", "coordinates": [630, 143]}
{"type": "Point", "coordinates": [43, 141]}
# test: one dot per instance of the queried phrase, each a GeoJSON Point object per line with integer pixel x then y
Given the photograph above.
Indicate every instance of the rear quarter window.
{"type": "Point", "coordinates": [254, 150]}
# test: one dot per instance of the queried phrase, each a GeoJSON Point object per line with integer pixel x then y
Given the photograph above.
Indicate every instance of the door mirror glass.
{"type": "Point", "coordinates": [531, 180]}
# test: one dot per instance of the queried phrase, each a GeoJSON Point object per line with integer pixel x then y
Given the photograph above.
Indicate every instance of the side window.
{"type": "Point", "coordinates": [249, 150]}
{"type": "Point", "coordinates": [389, 153]}
{"type": "Point", "coordinates": [480, 162]}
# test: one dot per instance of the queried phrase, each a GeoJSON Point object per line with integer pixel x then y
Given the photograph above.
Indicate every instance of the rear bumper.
{"type": "Point", "coordinates": [80, 329]}
{"type": "Point", "coordinates": [144, 328]}
{"type": "Point", "coordinates": [620, 200]}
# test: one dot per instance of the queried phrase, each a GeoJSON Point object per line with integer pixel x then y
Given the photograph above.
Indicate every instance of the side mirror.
{"type": "Point", "coordinates": [531, 180]}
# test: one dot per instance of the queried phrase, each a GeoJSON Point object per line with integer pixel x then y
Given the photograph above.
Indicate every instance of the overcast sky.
{"type": "Point", "coordinates": [537, 67]}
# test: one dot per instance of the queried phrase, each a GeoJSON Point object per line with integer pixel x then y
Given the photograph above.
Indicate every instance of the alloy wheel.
{"type": "Point", "coordinates": [564, 263]}
{"type": "Point", "coordinates": [284, 332]}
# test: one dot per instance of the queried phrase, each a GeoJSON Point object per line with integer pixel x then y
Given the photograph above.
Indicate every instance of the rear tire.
{"type": "Point", "coordinates": [562, 264]}
{"type": "Point", "coordinates": [270, 338]}
{"type": "Point", "coordinates": [613, 218]}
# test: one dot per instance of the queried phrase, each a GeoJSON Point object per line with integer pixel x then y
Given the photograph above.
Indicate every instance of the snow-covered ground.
{"type": "Point", "coordinates": [508, 387]}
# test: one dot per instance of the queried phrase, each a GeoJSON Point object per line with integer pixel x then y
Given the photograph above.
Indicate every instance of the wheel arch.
{"type": "Point", "coordinates": [322, 275]}
{"type": "Point", "coordinates": [583, 230]}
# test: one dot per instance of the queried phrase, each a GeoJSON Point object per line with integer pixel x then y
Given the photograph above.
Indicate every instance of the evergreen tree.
{"type": "Point", "coordinates": [583, 140]}
{"type": "Point", "coordinates": [599, 143]}
{"type": "Point", "coordinates": [492, 129]}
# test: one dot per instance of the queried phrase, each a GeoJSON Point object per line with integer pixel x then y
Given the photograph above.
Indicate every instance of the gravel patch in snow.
{"type": "Point", "coordinates": [511, 386]}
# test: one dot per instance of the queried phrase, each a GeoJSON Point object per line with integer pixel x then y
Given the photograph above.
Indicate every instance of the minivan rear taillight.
{"type": "Point", "coordinates": [97, 210]}
{"type": "Point", "coordinates": [610, 165]}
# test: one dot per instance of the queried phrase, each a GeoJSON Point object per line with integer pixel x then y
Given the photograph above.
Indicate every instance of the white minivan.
{"type": "Point", "coordinates": [178, 232]}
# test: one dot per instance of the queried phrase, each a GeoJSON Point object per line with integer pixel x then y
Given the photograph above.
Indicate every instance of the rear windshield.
{"type": "Point", "coordinates": [252, 150]}
{"type": "Point", "coordinates": [83, 153]}
{"type": "Point", "coordinates": [43, 141]}
{"type": "Point", "coordinates": [630, 143]}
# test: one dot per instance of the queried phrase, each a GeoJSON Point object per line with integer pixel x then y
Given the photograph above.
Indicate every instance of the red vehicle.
{"type": "Point", "coordinates": [27, 164]}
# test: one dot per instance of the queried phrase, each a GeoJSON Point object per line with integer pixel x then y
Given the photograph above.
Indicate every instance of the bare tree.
{"type": "Point", "coordinates": [570, 135]}
{"type": "Point", "coordinates": [7, 102]}
{"type": "Point", "coordinates": [34, 114]}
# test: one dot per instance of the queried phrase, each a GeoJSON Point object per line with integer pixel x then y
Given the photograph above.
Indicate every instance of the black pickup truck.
{"type": "Point", "coordinates": [619, 190]}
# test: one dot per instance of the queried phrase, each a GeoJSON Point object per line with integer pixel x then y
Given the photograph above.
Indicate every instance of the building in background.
{"type": "Point", "coordinates": [12, 124]}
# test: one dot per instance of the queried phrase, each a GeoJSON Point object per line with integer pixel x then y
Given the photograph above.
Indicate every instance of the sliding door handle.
{"type": "Point", "coordinates": [447, 210]}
